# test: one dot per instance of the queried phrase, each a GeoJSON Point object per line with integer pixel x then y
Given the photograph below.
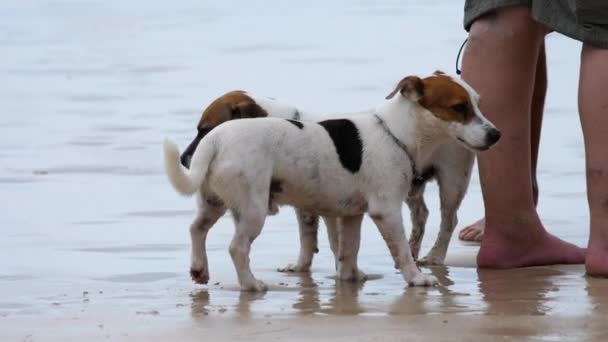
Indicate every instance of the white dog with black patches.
{"type": "Point", "coordinates": [335, 168]}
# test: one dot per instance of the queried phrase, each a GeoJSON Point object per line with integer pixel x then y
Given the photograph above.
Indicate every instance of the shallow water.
{"type": "Point", "coordinates": [93, 232]}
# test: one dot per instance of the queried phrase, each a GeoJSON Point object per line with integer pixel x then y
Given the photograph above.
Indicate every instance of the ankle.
{"type": "Point", "coordinates": [521, 227]}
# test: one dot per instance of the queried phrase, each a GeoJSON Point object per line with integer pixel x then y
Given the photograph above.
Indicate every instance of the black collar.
{"type": "Point", "coordinates": [415, 173]}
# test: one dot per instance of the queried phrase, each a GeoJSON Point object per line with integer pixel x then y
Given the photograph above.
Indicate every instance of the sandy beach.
{"type": "Point", "coordinates": [95, 242]}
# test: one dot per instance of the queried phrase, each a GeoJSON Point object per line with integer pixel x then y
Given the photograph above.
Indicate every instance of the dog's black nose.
{"type": "Point", "coordinates": [185, 159]}
{"type": "Point", "coordinates": [492, 136]}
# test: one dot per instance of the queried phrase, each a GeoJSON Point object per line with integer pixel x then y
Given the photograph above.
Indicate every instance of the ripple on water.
{"type": "Point", "coordinates": [342, 61]}
{"type": "Point", "coordinates": [121, 128]}
{"type": "Point", "coordinates": [95, 222]}
{"type": "Point", "coordinates": [155, 69]}
{"type": "Point", "coordinates": [101, 169]}
{"type": "Point", "coordinates": [15, 277]}
{"type": "Point", "coordinates": [160, 213]}
{"type": "Point", "coordinates": [12, 305]}
{"type": "Point", "coordinates": [141, 277]}
{"type": "Point", "coordinates": [136, 248]}
{"type": "Point", "coordinates": [187, 112]}
{"type": "Point", "coordinates": [89, 143]}
{"type": "Point", "coordinates": [265, 47]}
{"type": "Point", "coordinates": [17, 180]}
{"type": "Point", "coordinates": [95, 98]}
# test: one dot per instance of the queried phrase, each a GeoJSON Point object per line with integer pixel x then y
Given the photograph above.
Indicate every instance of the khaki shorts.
{"type": "Point", "coordinates": [583, 20]}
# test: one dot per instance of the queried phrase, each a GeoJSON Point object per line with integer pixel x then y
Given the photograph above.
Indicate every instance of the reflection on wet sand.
{"type": "Point", "coordinates": [344, 300]}
{"type": "Point", "coordinates": [529, 292]}
{"type": "Point", "coordinates": [532, 291]}
{"type": "Point", "coordinates": [332, 297]}
{"type": "Point", "coordinates": [526, 300]}
{"type": "Point", "coordinates": [200, 304]}
{"type": "Point", "coordinates": [308, 301]}
{"type": "Point", "coordinates": [597, 294]}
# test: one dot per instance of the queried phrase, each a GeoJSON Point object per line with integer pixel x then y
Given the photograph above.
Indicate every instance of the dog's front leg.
{"type": "Point", "coordinates": [419, 213]}
{"type": "Point", "coordinates": [209, 212]}
{"type": "Point", "coordinates": [349, 238]}
{"type": "Point", "coordinates": [452, 188]}
{"type": "Point", "coordinates": [390, 223]}
{"type": "Point", "coordinates": [308, 224]}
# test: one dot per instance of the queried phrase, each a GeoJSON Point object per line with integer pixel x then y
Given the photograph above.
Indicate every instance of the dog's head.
{"type": "Point", "coordinates": [452, 104]}
{"type": "Point", "coordinates": [234, 105]}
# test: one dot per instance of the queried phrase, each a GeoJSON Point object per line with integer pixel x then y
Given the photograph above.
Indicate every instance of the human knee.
{"type": "Point", "coordinates": [508, 22]}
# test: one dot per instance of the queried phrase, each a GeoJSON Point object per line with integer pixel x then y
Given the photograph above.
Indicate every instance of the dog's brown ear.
{"type": "Point", "coordinates": [247, 109]}
{"type": "Point", "coordinates": [410, 87]}
{"type": "Point", "coordinates": [214, 115]}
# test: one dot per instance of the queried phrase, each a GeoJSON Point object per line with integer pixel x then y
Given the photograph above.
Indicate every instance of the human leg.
{"type": "Point", "coordinates": [474, 232]}
{"type": "Point", "coordinates": [500, 62]}
{"type": "Point", "coordinates": [593, 108]}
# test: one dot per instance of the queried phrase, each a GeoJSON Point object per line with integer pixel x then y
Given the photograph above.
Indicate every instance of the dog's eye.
{"type": "Point", "coordinates": [460, 108]}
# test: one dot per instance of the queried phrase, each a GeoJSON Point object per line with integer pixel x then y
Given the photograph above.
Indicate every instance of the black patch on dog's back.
{"type": "Point", "coordinates": [296, 123]}
{"type": "Point", "coordinates": [345, 136]}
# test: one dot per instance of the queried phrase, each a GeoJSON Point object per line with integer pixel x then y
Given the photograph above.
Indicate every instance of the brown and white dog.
{"type": "Point", "coordinates": [340, 168]}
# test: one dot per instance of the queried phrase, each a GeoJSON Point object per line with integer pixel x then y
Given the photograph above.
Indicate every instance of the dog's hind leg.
{"type": "Point", "coordinates": [452, 188]}
{"type": "Point", "coordinates": [419, 213]}
{"type": "Point", "coordinates": [210, 210]}
{"type": "Point", "coordinates": [333, 235]}
{"type": "Point", "coordinates": [388, 219]}
{"type": "Point", "coordinates": [308, 225]}
{"type": "Point", "coordinates": [348, 248]}
{"type": "Point", "coordinates": [249, 222]}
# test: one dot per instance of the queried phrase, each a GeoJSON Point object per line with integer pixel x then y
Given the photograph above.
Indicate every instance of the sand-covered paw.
{"type": "Point", "coordinates": [255, 286]}
{"type": "Point", "coordinates": [295, 268]}
{"type": "Point", "coordinates": [431, 260]}
{"type": "Point", "coordinates": [199, 276]}
{"type": "Point", "coordinates": [423, 280]}
{"type": "Point", "coordinates": [352, 275]}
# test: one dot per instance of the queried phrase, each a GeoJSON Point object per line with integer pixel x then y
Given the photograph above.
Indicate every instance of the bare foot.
{"type": "Point", "coordinates": [474, 232]}
{"type": "Point", "coordinates": [531, 245]}
{"type": "Point", "coordinates": [596, 263]}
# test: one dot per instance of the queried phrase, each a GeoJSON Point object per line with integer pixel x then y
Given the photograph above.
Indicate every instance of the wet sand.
{"type": "Point", "coordinates": [95, 243]}
{"type": "Point", "coordinates": [538, 304]}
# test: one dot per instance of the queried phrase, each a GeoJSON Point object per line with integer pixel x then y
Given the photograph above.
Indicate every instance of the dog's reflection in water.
{"type": "Point", "coordinates": [200, 303]}
{"type": "Point", "coordinates": [301, 294]}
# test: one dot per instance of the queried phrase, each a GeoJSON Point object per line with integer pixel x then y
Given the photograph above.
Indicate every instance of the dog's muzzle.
{"type": "Point", "coordinates": [186, 157]}
{"type": "Point", "coordinates": [492, 137]}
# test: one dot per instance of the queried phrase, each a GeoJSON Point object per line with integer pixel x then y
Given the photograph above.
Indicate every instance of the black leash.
{"type": "Point", "coordinates": [416, 175]}
{"type": "Point", "coordinates": [458, 71]}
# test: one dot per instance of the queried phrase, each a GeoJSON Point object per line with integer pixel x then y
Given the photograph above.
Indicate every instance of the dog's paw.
{"type": "Point", "coordinates": [431, 260]}
{"type": "Point", "coordinates": [199, 276]}
{"type": "Point", "coordinates": [353, 276]}
{"type": "Point", "coordinates": [254, 286]}
{"type": "Point", "coordinates": [423, 280]}
{"type": "Point", "coordinates": [295, 268]}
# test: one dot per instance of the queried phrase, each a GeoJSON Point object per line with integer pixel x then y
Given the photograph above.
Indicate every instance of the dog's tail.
{"type": "Point", "coordinates": [183, 181]}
